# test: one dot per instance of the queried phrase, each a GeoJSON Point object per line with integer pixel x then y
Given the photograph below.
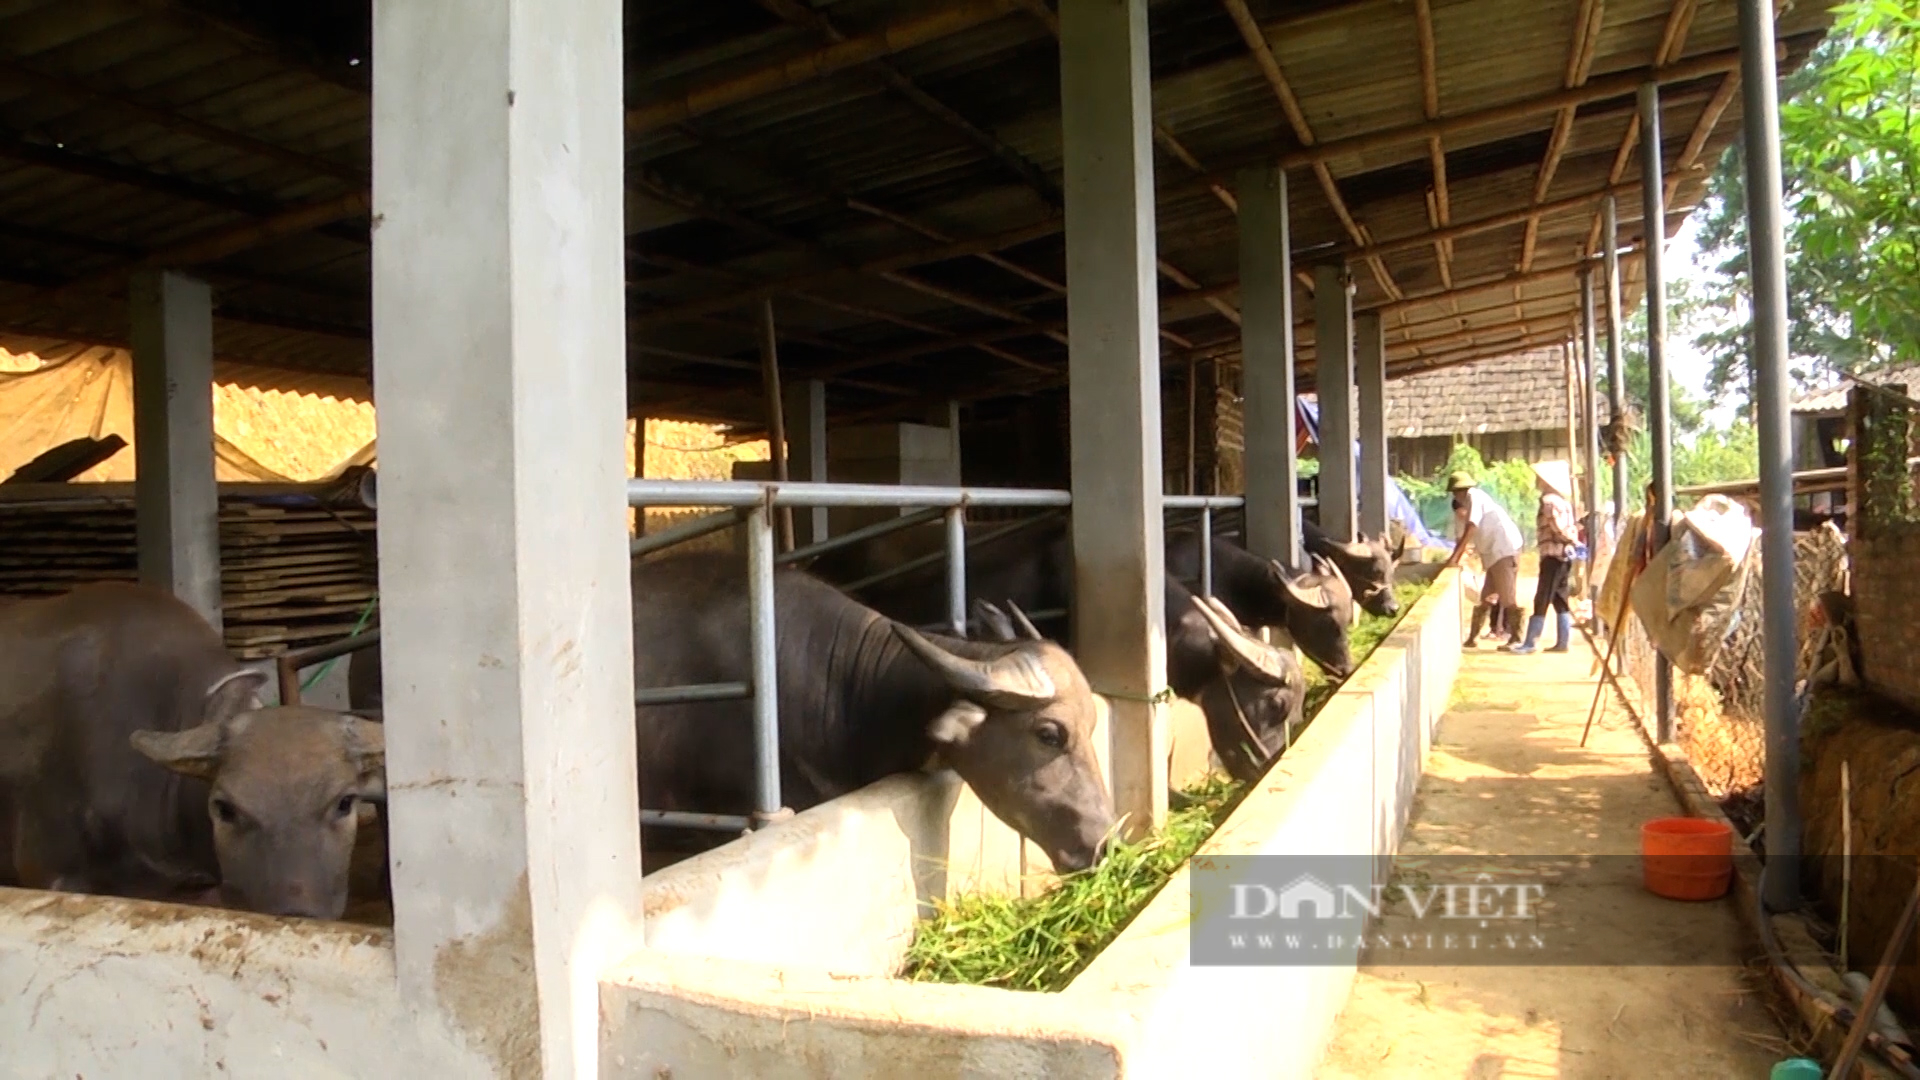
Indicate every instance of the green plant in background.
{"type": "Point", "coordinates": [1508, 483]}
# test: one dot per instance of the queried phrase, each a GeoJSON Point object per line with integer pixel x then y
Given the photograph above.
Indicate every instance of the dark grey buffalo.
{"type": "Point", "coordinates": [1250, 693]}
{"type": "Point", "coordinates": [1366, 563]}
{"type": "Point", "coordinates": [137, 760]}
{"type": "Point", "coordinates": [1315, 609]}
{"type": "Point", "coordinates": [860, 698]}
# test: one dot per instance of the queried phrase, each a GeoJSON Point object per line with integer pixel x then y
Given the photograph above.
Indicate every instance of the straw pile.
{"type": "Point", "coordinates": [1719, 717]}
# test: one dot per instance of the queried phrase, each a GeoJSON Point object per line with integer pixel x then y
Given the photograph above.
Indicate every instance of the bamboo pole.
{"type": "Point", "coordinates": [818, 63]}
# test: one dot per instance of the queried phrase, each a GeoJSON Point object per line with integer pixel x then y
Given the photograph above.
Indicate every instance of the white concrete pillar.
{"type": "Point", "coordinates": [1266, 371]}
{"type": "Point", "coordinates": [498, 282]}
{"type": "Point", "coordinates": [1113, 364]}
{"type": "Point", "coordinates": [1370, 369]}
{"type": "Point", "coordinates": [176, 498]}
{"type": "Point", "coordinates": [1333, 383]}
{"type": "Point", "coordinates": [807, 449]}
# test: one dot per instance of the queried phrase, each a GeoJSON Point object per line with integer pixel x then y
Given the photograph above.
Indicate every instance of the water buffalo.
{"type": "Point", "coordinates": [1367, 565]}
{"type": "Point", "coordinates": [137, 761]}
{"type": "Point", "coordinates": [1250, 693]}
{"type": "Point", "coordinates": [1314, 609]}
{"type": "Point", "coordinates": [860, 698]}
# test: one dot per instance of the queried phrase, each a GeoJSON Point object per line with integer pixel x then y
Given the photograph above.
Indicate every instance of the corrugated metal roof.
{"type": "Point", "coordinates": [130, 125]}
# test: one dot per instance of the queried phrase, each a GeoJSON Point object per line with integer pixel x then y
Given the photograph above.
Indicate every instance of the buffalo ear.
{"type": "Point", "coordinates": [366, 748]}
{"type": "Point", "coordinates": [955, 726]}
{"type": "Point", "coordinates": [194, 752]}
{"type": "Point", "coordinates": [232, 694]}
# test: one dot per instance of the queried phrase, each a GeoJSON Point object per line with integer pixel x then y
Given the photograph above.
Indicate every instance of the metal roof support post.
{"type": "Point", "coordinates": [1616, 370]}
{"type": "Point", "coordinates": [1766, 255]}
{"type": "Point", "coordinates": [1590, 399]}
{"type": "Point", "coordinates": [498, 281]}
{"type": "Point", "coordinates": [176, 496]}
{"type": "Point", "coordinates": [1370, 370]}
{"type": "Point", "coordinates": [1659, 397]}
{"type": "Point", "coordinates": [1113, 364]}
{"type": "Point", "coordinates": [1266, 366]}
{"type": "Point", "coordinates": [1333, 383]}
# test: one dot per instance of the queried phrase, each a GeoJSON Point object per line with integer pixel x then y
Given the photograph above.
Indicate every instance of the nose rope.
{"type": "Point", "coordinates": [1241, 714]}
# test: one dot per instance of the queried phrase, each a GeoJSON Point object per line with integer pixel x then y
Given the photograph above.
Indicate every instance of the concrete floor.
{"type": "Point", "coordinates": [1507, 775]}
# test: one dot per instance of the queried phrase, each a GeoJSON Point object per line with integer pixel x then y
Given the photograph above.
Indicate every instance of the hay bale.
{"type": "Point", "coordinates": [1881, 746]}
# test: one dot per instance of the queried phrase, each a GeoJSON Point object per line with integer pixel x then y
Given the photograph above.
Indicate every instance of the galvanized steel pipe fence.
{"type": "Point", "coordinates": [752, 505]}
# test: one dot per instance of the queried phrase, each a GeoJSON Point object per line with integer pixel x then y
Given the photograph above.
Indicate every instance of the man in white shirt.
{"type": "Point", "coordinates": [1497, 542]}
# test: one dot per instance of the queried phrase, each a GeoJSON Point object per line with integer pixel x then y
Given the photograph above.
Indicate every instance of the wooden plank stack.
{"type": "Point", "coordinates": [294, 571]}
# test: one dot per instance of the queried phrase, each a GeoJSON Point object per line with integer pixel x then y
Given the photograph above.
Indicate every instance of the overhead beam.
{"type": "Point", "coordinates": [1256, 42]}
{"type": "Point", "coordinates": [817, 64]}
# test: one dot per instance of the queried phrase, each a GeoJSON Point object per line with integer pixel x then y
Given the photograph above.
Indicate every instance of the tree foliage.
{"type": "Point", "coordinates": [1850, 146]}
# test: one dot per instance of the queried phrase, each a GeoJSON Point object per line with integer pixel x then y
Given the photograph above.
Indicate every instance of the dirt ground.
{"type": "Point", "coordinates": [1507, 774]}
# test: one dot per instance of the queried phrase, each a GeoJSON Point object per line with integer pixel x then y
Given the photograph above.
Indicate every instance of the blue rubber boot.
{"type": "Point", "coordinates": [1565, 628]}
{"type": "Point", "coordinates": [1535, 624]}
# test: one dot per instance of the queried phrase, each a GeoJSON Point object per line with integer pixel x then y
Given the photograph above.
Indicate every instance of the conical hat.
{"type": "Point", "coordinates": [1556, 475]}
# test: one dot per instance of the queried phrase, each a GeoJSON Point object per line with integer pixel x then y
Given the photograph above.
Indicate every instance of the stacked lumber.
{"type": "Point", "coordinates": [294, 571]}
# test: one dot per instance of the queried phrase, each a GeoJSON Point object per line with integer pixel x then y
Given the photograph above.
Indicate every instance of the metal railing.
{"type": "Point", "coordinates": [289, 664]}
{"type": "Point", "coordinates": [752, 504]}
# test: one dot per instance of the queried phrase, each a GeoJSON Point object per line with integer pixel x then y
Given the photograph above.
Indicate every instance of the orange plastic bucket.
{"type": "Point", "coordinates": [1686, 858]}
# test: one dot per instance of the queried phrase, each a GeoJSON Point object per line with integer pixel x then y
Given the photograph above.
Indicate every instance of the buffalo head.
{"type": "Point", "coordinates": [1252, 707]}
{"type": "Point", "coordinates": [1320, 611]}
{"type": "Point", "coordinates": [284, 786]}
{"type": "Point", "coordinates": [1020, 732]}
{"type": "Point", "coordinates": [1368, 565]}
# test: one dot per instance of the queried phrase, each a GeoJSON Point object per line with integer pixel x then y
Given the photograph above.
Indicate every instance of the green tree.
{"type": "Point", "coordinates": [1850, 147]}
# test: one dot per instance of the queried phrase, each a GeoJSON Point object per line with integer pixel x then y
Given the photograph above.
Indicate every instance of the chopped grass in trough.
{"type": "Point", "coordinates": [1042, 942]}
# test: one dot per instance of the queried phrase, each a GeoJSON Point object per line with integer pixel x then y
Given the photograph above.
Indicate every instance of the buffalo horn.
{"type": "Point", "coordinates": [993, 620]}
{"type": "Point", "coordinates": [1235, 647]}
{"type": "Point", "coordinates": [1014, 681]}
{"type": "Point", "coordinates": [1314, 598]}
{"type": "Point", "coordinates": [1026, 624]}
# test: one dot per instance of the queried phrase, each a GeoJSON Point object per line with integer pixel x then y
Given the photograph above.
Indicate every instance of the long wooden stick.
{"type": "Point", "coordinates": [1876, 990]}
{"type": "Point", "coordinates": [1619, 622]}
{"type": "Point", "coordinates": [776, 413]}
{"type": "Point", "coordinates": [1846, 861]}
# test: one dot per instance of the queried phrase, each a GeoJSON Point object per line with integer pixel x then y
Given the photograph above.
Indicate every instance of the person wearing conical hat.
{"type": "Point", "coordinates": [1556, 535]}
{"type": "Point", "coordinates": [1497, 541]}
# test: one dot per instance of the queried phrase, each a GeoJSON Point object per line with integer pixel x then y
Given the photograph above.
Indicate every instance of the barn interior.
{"type": "Point", "coordinates": [845, 221]}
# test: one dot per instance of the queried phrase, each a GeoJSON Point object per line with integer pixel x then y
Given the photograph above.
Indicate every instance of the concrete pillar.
{"type": "Point", "coordinates": [807, 448]}
{"type": "Point", "coordinates": [1370, 368]}
{"type": "Point", "coordinates": [1659, 408]}
{"type": "Point", "coordinates": [1266, 366]}
{"type": "Point", "coordinates": [1333, 382]}
{"type": "Point", "coordinates": [1113, 366]}
{"type": "Point", "coordinates": [176, 498]}
{"type": "Point", "coordinates": [498, 282]}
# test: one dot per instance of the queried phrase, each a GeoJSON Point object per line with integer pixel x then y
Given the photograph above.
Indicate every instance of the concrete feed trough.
{"type": "Point", "coordinates": [1347, 787]}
